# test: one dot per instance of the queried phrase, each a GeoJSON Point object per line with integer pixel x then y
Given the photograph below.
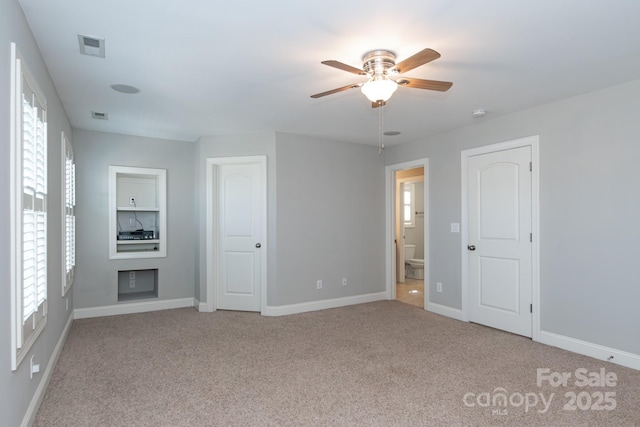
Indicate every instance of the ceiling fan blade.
{"type": "Point", "coordinates": [340, 89]}
{"type": "Point", "coordinates": [378, 104]}
{"type": "Point", "coordinates": [424, 84]}
{"type": "Point", "coordinates": [420, 58]}
{"type": "Point", "coordinates": [344, 67]}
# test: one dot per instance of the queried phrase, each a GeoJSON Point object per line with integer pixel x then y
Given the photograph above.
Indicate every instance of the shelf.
{"type": "Point", "coordinates": [137, 296]}
{"type": "Point", "coordinates": [137, 284]}
{"type": "Point", "coordinates": [147, 188]}
{"type": "Point", "coordinates": [137, 209]}
{"type": "Point", "coordinates": [138, 251]}
{"type": "Point", "coordinates": [137, 242]}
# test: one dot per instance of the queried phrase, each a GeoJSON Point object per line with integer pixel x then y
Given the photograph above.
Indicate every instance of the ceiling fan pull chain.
{"type": "Point", "coordinates": [380, 123]}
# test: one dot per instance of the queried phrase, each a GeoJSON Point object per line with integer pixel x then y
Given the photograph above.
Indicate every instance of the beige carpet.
{"type": "Point", "coordinates": [380, 364]}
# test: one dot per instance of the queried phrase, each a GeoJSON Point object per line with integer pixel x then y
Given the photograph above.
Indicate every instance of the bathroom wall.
{"type": "Point", "coordinates": [415, 235]}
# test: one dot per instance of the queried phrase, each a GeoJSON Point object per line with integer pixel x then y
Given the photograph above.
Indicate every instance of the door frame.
{"type": "Point", "coordinates": [390, 226]}
{"type": "Point", "coordinates": [533, 142]}
{"type": "Point", "coordinates": [211, 231]}
{"type": "Point", "coordinates": [399, 204]}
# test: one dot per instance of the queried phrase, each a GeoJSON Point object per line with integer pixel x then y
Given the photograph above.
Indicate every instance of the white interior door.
{"type": "Point", "coordinates": [499, 246]}
{"type": "Point", "coordinates": [240, 208]}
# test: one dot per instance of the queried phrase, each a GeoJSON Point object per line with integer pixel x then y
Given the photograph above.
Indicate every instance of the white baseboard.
{"type": "Point", "coordinates": [202, 307]}
{"type": "Point", "coordinates": [445, 311]}
{"type": "Point", "coordinates": [36, 401]}
{"type": "Point", "coordinates": [132, 307]}
{"type": "Point", "coordinates": [596, 351]}
{"type": "Point", "coordinates": [284, 310]}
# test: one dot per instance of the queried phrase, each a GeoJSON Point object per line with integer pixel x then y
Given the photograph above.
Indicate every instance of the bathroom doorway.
{"type": "Point", "coordinates": [407, 223]}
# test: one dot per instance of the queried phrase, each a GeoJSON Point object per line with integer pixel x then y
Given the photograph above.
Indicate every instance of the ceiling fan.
{"type": "Point", "coordinates": [380, 66]}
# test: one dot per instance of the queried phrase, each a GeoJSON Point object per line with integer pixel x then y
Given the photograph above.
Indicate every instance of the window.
{"type": "Point", "coordinates": [68, 214]}
{"type": "Point", "coordinates": [29, 208]}
{"type": "Point", "coordinates": [409, 204]}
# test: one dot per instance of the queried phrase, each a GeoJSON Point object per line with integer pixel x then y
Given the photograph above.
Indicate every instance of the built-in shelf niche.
{"type": "Point", "coordinates": [137, 212]}
{"type": "Point", "coordinates": [136, 285]}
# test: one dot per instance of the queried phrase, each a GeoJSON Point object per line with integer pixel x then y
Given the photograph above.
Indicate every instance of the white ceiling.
{"type": "Point", "coordinates": [216, 68]}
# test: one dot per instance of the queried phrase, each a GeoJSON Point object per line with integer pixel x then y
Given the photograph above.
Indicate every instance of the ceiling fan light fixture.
{"type": "Point", "coordinates": [379, 88]}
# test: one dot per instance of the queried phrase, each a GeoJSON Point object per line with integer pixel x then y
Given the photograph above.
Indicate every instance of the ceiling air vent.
{"type": "Point", "coordinates": [91, 46]}
{"type": "Point", "coordinates": [99, 116]}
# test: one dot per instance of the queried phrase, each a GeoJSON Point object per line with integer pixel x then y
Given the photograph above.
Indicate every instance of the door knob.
{"type": "Point", "coordinates": [471, 247]}
{"type": "Point", "coordinates": [258, 245]}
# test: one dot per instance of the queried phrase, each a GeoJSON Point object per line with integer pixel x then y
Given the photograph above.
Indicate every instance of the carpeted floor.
{"type": "Point", "coordinates": [380, 364]}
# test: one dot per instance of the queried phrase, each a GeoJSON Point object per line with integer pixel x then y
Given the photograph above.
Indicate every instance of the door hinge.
{"type": "Point", "coordinates": [530, 237]}
{"type": "Point", "coordinates": [530, 308]}
{"type": "Point", "coordinates": [530, 166]}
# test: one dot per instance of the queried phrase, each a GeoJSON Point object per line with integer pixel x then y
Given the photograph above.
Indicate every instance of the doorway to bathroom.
{"type": "Point", "coordinates": [407, 231]}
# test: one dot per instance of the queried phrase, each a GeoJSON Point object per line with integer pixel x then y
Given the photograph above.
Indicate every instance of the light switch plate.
{"type": "Point", "coordinates": [455, 227]}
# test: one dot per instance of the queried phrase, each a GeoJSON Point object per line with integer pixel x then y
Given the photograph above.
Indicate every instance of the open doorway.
{"type": "Point", "coordinates": [410, 227]}
{"type": "Point", "coordinates": [407, 227]}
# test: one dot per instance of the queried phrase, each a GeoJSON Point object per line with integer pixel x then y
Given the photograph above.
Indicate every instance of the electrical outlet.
{"type": "Point", "coordinates": [132, 201]}
{"type": "Point", "coordinates": [439, 286]}
{"type": "Point", "coordinates": [132, 275]}
{"type": "Point", "coordinates": [319, 284]}
{"type": "Point", "coordinates": [35, 367]}
{"type": "Point", "coordinates": [132, 283]}
{"type": "Point", "coordinates": [344, 281]}
{"type": "Point", "coordinates": [132, 222]}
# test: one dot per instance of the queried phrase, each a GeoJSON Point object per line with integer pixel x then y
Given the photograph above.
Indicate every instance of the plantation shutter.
{"type": "Point", "coordinates": [34, 213]}
{"type": "Point", "coordinates": [69, 215]}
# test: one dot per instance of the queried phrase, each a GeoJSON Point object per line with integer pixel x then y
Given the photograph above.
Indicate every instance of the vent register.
{"type": "Point", "coordinates": [99, 116]}
{"type": "Point", "coordinates": [91, 46]}
{"type": "Point", "coordinates": [94, 46]}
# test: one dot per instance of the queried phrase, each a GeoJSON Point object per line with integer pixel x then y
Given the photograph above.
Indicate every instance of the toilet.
{"type": "Point", "coordinates": [413, 267]}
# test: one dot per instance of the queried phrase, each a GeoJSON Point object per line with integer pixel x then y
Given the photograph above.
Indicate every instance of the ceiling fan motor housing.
{"type": "Point", "coordinates": [378, 62]}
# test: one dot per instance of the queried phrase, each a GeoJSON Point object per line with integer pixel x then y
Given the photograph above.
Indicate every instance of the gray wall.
{"type": "Point", "coordinates": [232, 146]}
{"type": "Point", "coordinates": [16, 388]}
{"type": "Point", "coordinates": [325, 221]}
{"type": "Point", "coordinates": [96, 282]}
{"type": "Point", "coordinates": [330, 219]}
{"type": "Point", "coordinates": [589, 210]}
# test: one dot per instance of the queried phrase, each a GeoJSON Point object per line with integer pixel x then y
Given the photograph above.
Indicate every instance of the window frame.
{"type": "Point", "coordinates": [23, 335]}
{"type": "Point", "coordinates": [411, 188]}
{"type": "Point", "coordinates": [68, 210]}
